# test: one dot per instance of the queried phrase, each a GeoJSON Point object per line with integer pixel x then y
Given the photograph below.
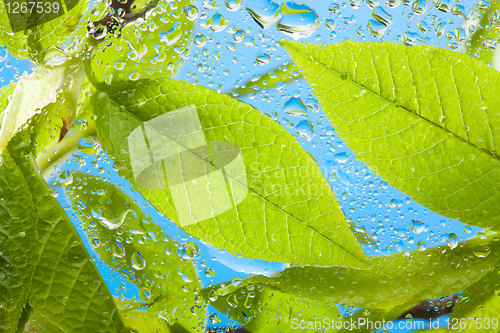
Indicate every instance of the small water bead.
{"type": "Point", "coordinates": [191, 12]}
{"type": "Point", "coordinates": [231, 46]}
{"type": "Point", "coordinates": [372, 3]}
{"type": "Point", "coordinates": [95, 242]}
{"type": "Point", "coordinates": [200, 40]}
{"type": "Point", "coordinates": [209, 272]}
{"type": "Point", "coordinates": [484, 4]}
{"type": "Point", "coordinates": [263, 58]}
{"type": "Point", "coordinates": [233, 5]}
{"type": "Point", "coordinates": [442, 5]}
{"type": "Point", "coordinates": [423, 26]}
{"type": "Point", "coordinates": [218, 23]}
{"type": "Point", "coordinates": [489, 44]}
{"type": "Point", "coordinates": [421, 246]}
{"type": "Point", "coordinates": [118, 250]}
{"type": "Point", "coordinates": [236, 281]}
{"type": "Point", "coordinates": [330, 24]}
{"type": "Point", "coordinates": [349, 19]}
{"type": "Point", "coordinates": [66, 178]}
{"type": "Point", "coordinates": [451, 239]}
{"type": "Point", "coordinates": [440, 29]}
{"type": "Point", "coordinates": [187, 251]}
{"type": "Point", "coordinates": [393, 3]}
{"type": "Point", "coordinates": [138, 261]}
{"type": "Point", "coordinates": [238, 36]}
{"type": "Point", "coordinates": [113, 221]}
{"type": "Point", "coordinates": [480, 251]}
{"type": "Point", "coordinates": [382, 16]}
{"type": "Point", "coordinates": [419, 7]}
{"type": "Point", "coordinates": [305, 129]}
{"type": "Point", "coordinates": [249, 41]}
{"type": "Point", "coordinates": [81, 124]}
{"type": "Point", "coordinates": [209, 4]}
{"type": "Point", "coordinates": [459, 10]}
{"type": "Point", "coordinates": [144, 294]}
{"type": "Point", "coordinates": [334, 8]}
{"type": "Point", "coordinates": [108, 78]}
{"type": "Point", "coordinates": [134, 75]}
{"type": "Point", "coordinates": [295, 107]}
{"type": "Point", "coordinates": [355, 4]}
{"type": "Point", "coordinates": [418, 227]}
{"type": "Point", "coordinates": [214, 318]}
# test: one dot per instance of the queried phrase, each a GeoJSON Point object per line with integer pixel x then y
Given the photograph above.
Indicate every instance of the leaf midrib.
{"type": "Point", "coordinates": [364, 262]}
{"type": "Point", "coordinates": [388, 101]}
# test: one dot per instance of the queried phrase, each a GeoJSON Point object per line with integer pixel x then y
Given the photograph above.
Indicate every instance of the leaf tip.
{"type": "Point", "coordinates": [287, 44]}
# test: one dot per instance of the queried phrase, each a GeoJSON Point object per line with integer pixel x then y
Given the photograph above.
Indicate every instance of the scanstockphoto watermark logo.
{"type": "Point", "coordinates": [204, 179]}
{"type": "Point", "coordinates": [26, 14]}
{"type": "Point", "coordinates": [358, 324]}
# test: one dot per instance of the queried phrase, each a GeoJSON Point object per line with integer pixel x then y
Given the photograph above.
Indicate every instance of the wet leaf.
{"type": "Point", "coordinates": [396, 279]}
{"type": "Point", "coordinates": [262, 310]}
{"type": "Point", "coordinates": [61, 289]}
{"type": "Point", "coordinates": [51, 91]}
{"type": "Point", "coordinates": [149, 49]}
{"type": "Point", "coordinates": [294, 225]}
{"type": "Point", "coordinates": [433, 137]}
{"type": "Point", "coordinates": [478, 307]}
{"type": "Point", "coordinates": [114, 222]}
{"type": "Point", "coordinates": [17, 242]}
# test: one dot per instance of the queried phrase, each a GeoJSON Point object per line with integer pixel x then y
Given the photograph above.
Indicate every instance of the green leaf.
{"type": "Point", "coordinates": [396, 279]}
{"type": "Point", "coordinates": [33, 42]}
{"type": "Point", "coordinates": [149, 49]}
{"type": "Point", "coordinates": [50, 90]}
{"type": "Point", "coordinates": [39, 324]}
{"type": "Point", "coordinates": [289, 217]}
{"type": "Point", "coordinates": [262, 310]}
{"type": "Point", "coordinates": [425, 119]}
{"type": "Point", "coordinates": [24, 317]}
{"type": "Point", "coordinates": [66, 287]}
{"type": "Point", "coordinates": [479, 303]}
{"type": "Point", "coordinates": [160, 274]}
{"type": "Point", "coordinates": [17, 242]}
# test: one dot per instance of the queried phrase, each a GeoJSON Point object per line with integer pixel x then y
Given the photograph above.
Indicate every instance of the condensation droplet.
{"type": "Point", "coordinates": [138, 261]}
{"type": "Point", "coordinates": [297, 21]}
{"type": "Point", "coordinates": [66, 178]}
{"type": "Point", "coordinates": [200, 40]}
{"type": "Point", "coordinates": [295, 107]}
{"type": "Point", "coordinates": [418, 227]}
{"type": "Point", "coordinates": [233, 5]}
{"type": "Point", "coordinates": [481, 252]}
{"type": "Point", "coordinates": [191, 12]}
{"type": "Point", "coordinates": [188, 251]}
{"type": "Point", "coordinates": [218, 23]}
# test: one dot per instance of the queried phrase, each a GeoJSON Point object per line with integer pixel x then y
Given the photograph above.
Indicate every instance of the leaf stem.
{"type": "Point", "coordinates": [63, 148]}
